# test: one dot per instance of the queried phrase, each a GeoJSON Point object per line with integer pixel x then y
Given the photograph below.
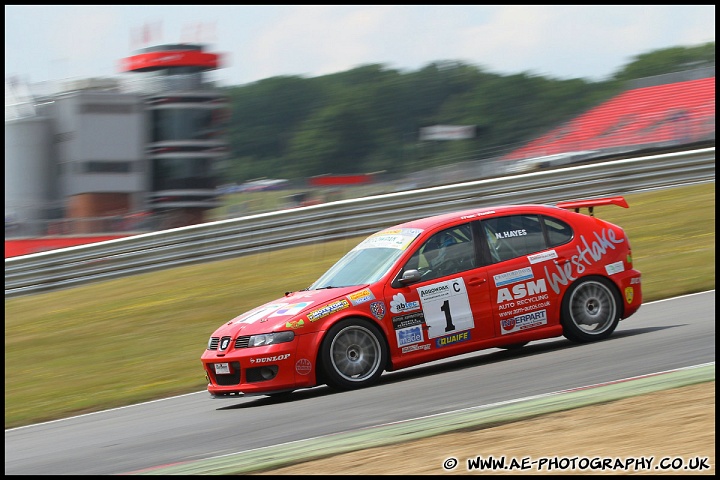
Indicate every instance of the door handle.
{"type": "Point", "coordinates": [474, 282]}
{"type": "Point", "coordinates": [561, 261]}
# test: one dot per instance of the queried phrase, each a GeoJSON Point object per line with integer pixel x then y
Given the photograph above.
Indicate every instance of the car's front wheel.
{"type": "Point", "coordinates": [353, 354]}
{"type": "Point", "coordinates": [590, 310]}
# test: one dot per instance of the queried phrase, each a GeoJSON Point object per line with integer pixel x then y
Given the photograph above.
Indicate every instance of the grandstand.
{"type": "Point", "coordinates": [653, 116]}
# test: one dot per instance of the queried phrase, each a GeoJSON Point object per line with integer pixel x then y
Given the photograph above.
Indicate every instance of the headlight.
{"type": "Point", "coordinates": [271, 338]}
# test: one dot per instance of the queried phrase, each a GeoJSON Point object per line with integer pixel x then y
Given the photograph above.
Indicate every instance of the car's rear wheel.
{"type": "Point", "coordinates": [590, 310]}
{"type": "Point", "coordinates": [353, 354]}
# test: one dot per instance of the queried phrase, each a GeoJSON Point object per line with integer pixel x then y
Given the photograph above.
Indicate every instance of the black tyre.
{"type": "Point", "coordinates": [590, 310]}
{"type": "Point", "coordinates": [353, 355]}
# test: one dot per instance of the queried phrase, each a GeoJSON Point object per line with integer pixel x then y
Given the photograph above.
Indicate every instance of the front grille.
{"type": "Point", "coordinates": [215, 342]}
{"type": "Point", "coordinates": [241, 342]}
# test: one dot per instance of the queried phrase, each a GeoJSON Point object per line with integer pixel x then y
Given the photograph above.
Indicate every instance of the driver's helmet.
{"type": "Point", "coordinates": [437, 246]}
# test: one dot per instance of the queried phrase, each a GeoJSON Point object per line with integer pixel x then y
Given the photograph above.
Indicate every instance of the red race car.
{"type": "Point", "coordinates": [433, 288]}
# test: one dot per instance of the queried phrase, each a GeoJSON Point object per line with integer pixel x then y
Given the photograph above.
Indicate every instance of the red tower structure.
{"type": "Point", "coordinates": [186, 118]}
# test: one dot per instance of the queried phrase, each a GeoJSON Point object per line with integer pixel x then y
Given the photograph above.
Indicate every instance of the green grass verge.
{"type": "Point", "coordinates": [134, 339]}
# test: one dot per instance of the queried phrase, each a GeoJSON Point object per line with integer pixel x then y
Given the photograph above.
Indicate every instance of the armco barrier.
{"type": "Point", "coordinates": [336, 220]}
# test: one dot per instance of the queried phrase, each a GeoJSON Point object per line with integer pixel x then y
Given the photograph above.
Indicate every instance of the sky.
{"type": "Point", "coordinates": [48, 43]}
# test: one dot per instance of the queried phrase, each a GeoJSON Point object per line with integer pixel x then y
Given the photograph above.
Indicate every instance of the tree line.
{"type": "Point", "coordinates": [368, 119]}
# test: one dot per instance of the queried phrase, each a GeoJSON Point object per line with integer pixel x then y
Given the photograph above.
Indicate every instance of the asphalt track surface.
{"type": "Point", "coordinates": [666, 344]}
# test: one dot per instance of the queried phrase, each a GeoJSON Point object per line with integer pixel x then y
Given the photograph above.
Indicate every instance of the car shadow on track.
{"type": "Point", "coordinates": [482, 357]}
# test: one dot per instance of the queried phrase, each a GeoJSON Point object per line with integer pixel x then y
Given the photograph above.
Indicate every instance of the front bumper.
{"type": "Point", "coordinates": [257, 370]}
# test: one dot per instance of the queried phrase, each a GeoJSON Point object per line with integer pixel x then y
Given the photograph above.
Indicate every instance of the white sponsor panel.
{"type": "Point", "coordinates": [446, 307]}
{"type": "Point", "coordinates": [259, 313]}
{"type": "Point", "coordinates": [523, 322]}
{"type": "Point", "coordinates": [398, 304]}
{"type": "Point", "coordinates": [614, 268]}
{"type": "Point", "coordinates": [292, 309]}
{"type": "Point", "coordinates": [513, 277]}
{"type": "Point", "coordinates": [542, 256]}
{"type": "Point", "coordinates": [409, 336]}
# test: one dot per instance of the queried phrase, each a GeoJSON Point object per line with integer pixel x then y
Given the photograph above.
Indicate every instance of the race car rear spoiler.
{"type": "Point", "coordinates": [595, 202]}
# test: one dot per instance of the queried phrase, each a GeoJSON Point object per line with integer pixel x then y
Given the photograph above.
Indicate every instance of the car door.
{"type": "Point", "coordinates": [517, 248]}
{"type": "Point", "coordinates": [449, 308]}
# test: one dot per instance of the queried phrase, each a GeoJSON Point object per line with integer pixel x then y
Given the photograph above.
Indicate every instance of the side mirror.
{"type": "Point", "coordinates": [410, 276]}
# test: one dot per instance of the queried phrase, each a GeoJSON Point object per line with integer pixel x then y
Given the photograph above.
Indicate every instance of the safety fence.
{"type": "Point", "coordinates": [231, 238]}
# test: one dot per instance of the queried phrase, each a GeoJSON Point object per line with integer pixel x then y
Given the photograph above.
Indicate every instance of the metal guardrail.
{"type": "Point", "coordinates": [347, 218]}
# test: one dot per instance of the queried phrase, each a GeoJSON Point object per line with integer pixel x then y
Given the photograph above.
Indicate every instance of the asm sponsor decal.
{"type": "Point", "coordinates": [408, 320]}
{"type": "Point", "coordinates": [378, 310]}
{"type": "Point", "coordinates": [587, 254]}
{"type": "Point", "coordinates": [542, 256]}
{"type": "Point", "coordinates": [415, 348]}
{"type": "Point", "coordinates": [513, 277]}
{"type": "Point", "coordinates": [295, 324]}
{"type": "Point", "coordinates": [452, 339]}
{"type": "Point", "coordinates": [399, 305]}
{"type": "Point", "coordinates": [408, 336]}
{"type": "Point", "coordinates": [521, 290]}
{"type": "Point", "coordinates": [364, 295]}
{"type": "Point", "coordinates": [629, 294]}
{"type": "Point", "coordinates": [328, 309]}
{"type": "Point", "coordinates": [303, 366]}
{"type": "Point", "coordinates": [523, 322]}
{"type": "Point", "coordinates": [276, 358]}
{"type": "Point", "coordinates": [614, 268]}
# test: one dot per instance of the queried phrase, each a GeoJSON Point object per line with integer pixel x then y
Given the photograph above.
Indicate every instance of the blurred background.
{"type": "Point", "coordinates": [163, 145]}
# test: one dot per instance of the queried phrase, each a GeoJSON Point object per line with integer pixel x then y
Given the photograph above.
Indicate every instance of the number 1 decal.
{"type": "Point", "coordinates": [446, 307]}
{"type": "Point", "coordinates": [449, 327]}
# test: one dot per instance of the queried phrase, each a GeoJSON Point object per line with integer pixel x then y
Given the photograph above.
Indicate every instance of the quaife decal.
{"type": "Point", "coordinates": [446, 307]}
{"type": "Point", "coordinates": [399, 305]}
{"type": "Point", "coordinates": [452, 339]}
{"type": "Point", "coordinates": [328, 309]}
{"type": "Point", "coordinates": [523, 322]}
{"type": "Point", "coordinates": [408, 336]}
{"type": "Point", "coordinates": [513, 277]}
{"type": "Point", "coordinates": [276, 358]}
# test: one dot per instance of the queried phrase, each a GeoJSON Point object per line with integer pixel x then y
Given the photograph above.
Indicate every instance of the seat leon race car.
{"type": "Point", "coordinates": [433, 288]}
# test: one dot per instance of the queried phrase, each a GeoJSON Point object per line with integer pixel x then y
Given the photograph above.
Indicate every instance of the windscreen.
{"type": "Point", "coordinates": [369, 260]}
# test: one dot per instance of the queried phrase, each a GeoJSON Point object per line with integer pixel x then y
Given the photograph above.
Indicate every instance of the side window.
{"type": "Point", "coordinates": [558, 231]}
{"type": "Point", "coordinates": [445, 253]}
{"type": "Point", "coordinates": [513, 236]}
